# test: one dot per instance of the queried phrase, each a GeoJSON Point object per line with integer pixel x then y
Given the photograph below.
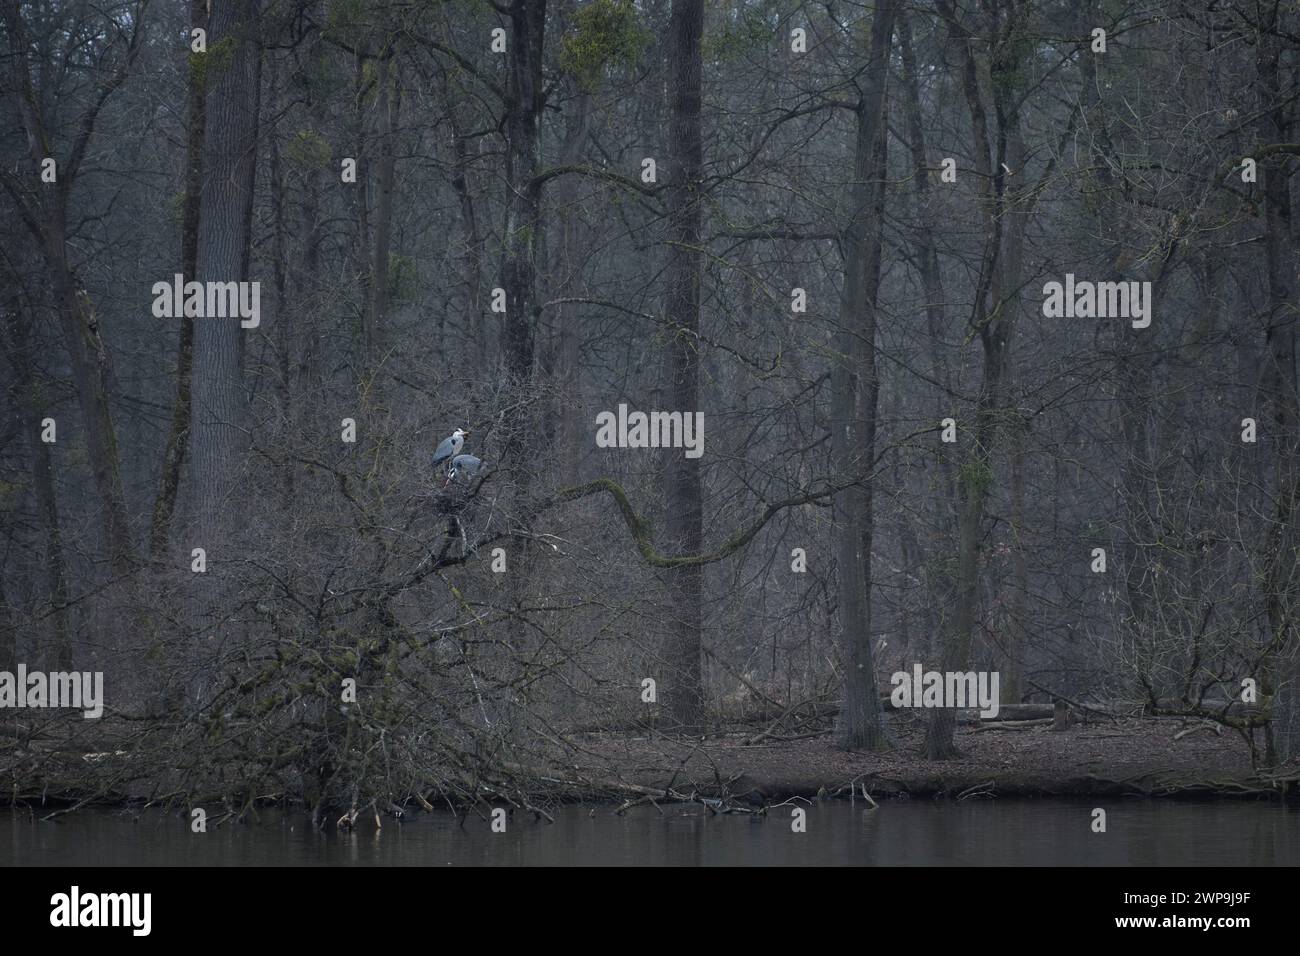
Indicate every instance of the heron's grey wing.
{"type": "Point", "coordinates": [467, 464]}
{"type": "Point", "coordinates": [443, 451]}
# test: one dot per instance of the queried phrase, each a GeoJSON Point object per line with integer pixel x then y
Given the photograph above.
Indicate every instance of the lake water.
{"type": "Point", "coordinates": [912, 832]}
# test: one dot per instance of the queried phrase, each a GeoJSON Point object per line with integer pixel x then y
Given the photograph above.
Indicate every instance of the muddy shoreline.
{"type": "Point", "coordinates": [1136, 756]}
{"type": "Point", "coordinates": [737, 768]}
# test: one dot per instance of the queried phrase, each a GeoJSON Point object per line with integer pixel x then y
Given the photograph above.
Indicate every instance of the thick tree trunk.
{"type": "Point", "coordinates": [225, 232]}
{"type": "Point", "coordinates": [523, 225]}
{"type": "Point", "coordinates": [1283, 394]}
{"type": "Point", "coordinates": [855, 391]}
{"type": "Point", "coordinates": [178, 436]}
{"type": "Point", "coordinates": [684, 494]}
{"type": "Point", "coordinates": [521, 448]}
{"type": "Point", "coordinates": [562, 359]}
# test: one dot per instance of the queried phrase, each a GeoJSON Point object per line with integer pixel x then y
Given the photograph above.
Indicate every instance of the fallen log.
{"type": "Point", "coordinates": [1006, 712]}
{"type": "Point", "coordinates": [1012, 724]}
{"type": "Point", "coordinates": [654, 720]}
{"type": "Point", "coordinates": [1023, 712]}
{"type": "Point", "coordinates": [807, 710]}
{"type": "Point", "coordinates": [1170, 706]}
{"type": "Point", "coordinates": [1217, 728]}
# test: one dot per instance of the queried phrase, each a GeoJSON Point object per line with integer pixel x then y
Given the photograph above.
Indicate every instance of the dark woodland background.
{"type": "Point", "coordinates": [522, 171]}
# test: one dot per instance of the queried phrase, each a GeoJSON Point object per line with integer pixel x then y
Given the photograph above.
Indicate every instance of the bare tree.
{"type": "Point", "coordinates": [47, 220]}
{"type": "Point", "coordinates": [856, 391]}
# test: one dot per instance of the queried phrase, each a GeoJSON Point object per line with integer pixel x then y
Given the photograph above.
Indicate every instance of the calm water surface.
{"type": "Point", "coordinates": [918, 832]}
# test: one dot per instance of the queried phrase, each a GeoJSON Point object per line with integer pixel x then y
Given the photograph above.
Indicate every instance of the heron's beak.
{"type": "Point", "coordinates": [466, 432]}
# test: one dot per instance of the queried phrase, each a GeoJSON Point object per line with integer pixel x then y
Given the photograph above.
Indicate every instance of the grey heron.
{"type": "Point", "coordinates": [449, 448]}
{"type": "Point", "coordinates": [466, 465]}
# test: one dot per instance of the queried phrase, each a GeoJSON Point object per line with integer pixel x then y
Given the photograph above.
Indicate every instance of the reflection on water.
{"type": "Point", "coordinates": [1049, 832]}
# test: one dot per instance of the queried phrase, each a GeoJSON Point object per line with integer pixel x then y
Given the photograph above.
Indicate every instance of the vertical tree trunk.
{"type": "Point", "coordinates": [940, 503]}
{"type": "Point", "coordinates": [308, 286]}
{"type": "Point", "coordinates": [523, 208]}
{"type": "Point", "coordinates": [1006, 296]}
{"type": "Point", "coordinates": [1016, 624]}
{"type": "Point", "coordinates": [178, 436]}
{"type": "Point", "coordinates": [285, 316]}
{"type": "Point", "coordinates": [360, 196]}
{"type": "Point", "coordinates": [563, 361]}
{"type": "Point", "coordinates": [685, 525]}
{"type": "Point", "coordinates": [225, 230]}
{"type": "Point", "coordinates": [855, 390]}
{"type": "Point", "coordinates": [389, 107]}
{"type": "Point", "coordinates": [475, 322]}
{"type": "Point", "coordinates": [308, 365]}
{"type": "Point", "coordinates": [1283, 393]}
{"type": "Point", "coordinates": [283, 332]}
{"type": "Point", "coordinates": [18, 343]}
{"type": "Point", "coordinates": [77, 319]}
{"type": "Point", "coordinates": [927, 253]}
{"type": "Point", "coordinates": [90, 366]}
{"type": "Point", "coordinates": [994, 325]}
{"type": "Point", "coordinates": [521, 241]}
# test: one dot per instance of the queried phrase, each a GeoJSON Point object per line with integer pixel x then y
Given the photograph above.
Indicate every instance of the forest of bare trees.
{"type": "Point", "coordinates": [826, 230]}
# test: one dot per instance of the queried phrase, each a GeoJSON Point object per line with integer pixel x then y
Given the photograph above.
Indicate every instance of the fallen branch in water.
{"type": "Point", "coordinates": [627, 805]}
